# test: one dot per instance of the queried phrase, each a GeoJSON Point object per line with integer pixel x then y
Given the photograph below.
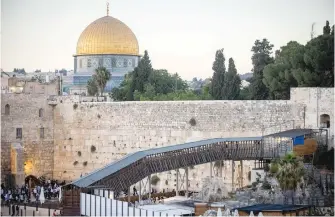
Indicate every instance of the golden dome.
{"type": "Point", "coordinates": [107, 35]}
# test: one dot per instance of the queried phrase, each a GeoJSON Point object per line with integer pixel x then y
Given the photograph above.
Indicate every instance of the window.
{"type": "Point", "coordinates": [42, 133]}
{"type": "Point", "coordinates": [324, 121]}
{"type": "Point", "coordinates": [7, 109]}
{"type": "Point", "coordinates": [40, 113]}
{"type": "Point", "coordinates": [19, 133]}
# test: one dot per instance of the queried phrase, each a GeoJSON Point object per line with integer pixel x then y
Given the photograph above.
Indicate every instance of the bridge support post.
{"type": "Point", "coordinates": [220, 169]}
{"type": "Point", "coordinates": [140, 192]}
{"type": "Point", "coordinates": [232, 175]}
{"type": "Point", "coordinates": [241, 163]}
{"type": "Point", "coordinates": [211, 169]}
{"type": "Point", "coordinates": [177, 180]}
{"type": "Point", "coordinates": [149, 180]}
{"type": "Point", "coordinates": [129, 194]}
{"type": "Point", "coordinates": [186, 174]}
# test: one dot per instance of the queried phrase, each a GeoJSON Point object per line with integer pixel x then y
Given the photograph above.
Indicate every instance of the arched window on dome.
{"type": "Point", "coordinates": [40, 113]}
{"type": "Point", "coordinates": [7, 109]}
{"type": "Point", "coordinates": [324, 121]}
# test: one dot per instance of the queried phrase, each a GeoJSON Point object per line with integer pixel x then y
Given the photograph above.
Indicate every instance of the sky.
{"type": "Point", "coordinates": [180, 35]}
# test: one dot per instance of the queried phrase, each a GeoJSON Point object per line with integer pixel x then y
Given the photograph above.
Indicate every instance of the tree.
{"type": "Point", "coordinates": [101, 77]}
{"type": "Point", "coordinates": [219, 69]}
{"type": "Point", "coordinates": [142, 73]}
{"type": "Point", "coordinates": [92, 87]}
{"type": "Point", "coordinates": [326, 28]}
{"type": "Point", "coordinates": [260, 58]}
{"type": "Point", "coordinates": [232, 82]}
{"type": "Point", "coordinates": [289, 173]}
{"type": "Point", "coordinates": [278, 76]}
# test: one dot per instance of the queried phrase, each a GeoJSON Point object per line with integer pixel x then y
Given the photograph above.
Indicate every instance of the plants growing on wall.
{"type": "Point", "coordinates": [75, 106]}
{"type": "Point", "coordinates": [79, 153]}
{"type": "Point", "coordinates": [193, 122]}
{"type": "Point", "coordinates": [93, 148]}
{"type": "Point", "coordinates": [75, 163]}
{"type": "Point", "coordinates": [166, 182]}
{"type": "Point", "coordinates": [155, 179]}
{"type": "Point", "coordinates": [85, 163]}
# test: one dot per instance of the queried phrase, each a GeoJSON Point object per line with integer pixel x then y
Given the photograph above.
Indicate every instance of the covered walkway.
{"type": "Point", "coordinates": [121, 174]}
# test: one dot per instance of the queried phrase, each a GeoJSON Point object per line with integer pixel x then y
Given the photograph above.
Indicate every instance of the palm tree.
{"type": "Point", "coordinates": [101, 77]}
{"type": "Point", "coordinates": [289, 172]}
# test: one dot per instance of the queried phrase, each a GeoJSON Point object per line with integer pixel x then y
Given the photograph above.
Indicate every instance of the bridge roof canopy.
{"type": "Point", "coordinates": [88, 180]}
{"type": "Point", "coordinates": [293, 133]}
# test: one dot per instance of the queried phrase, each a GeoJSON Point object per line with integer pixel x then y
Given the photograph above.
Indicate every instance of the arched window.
{"type": "Point", "coordinates": [40, 113]}
{"type": "Point", "coordinates": [325, 121]}
{"type": "Point", "coordinates": [7, 110]}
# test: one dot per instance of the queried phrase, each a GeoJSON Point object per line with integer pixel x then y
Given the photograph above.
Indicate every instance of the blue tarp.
{"type": "Point", "coordinates": [299, 140]}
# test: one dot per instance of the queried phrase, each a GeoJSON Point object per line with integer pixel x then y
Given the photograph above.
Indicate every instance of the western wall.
{"type": "Point", "coordinates": [118, 128]}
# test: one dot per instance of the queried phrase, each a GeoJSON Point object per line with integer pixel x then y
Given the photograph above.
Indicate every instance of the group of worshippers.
{"type": "Point", "coordinates": [22, 194]}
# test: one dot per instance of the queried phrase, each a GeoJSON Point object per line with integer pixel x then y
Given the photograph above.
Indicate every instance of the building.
{"type": "Point", "coordinates": [106, 42]}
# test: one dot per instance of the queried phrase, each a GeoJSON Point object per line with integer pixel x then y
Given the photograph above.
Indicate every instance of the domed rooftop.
{"type": "Point", "coordinates": [107, 35]}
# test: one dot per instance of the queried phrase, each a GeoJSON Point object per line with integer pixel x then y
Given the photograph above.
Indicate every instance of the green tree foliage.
{"type": "Point", "coordinates": [101, 77]}
{"type": "Point", "coordinates": [261, 57]}
{"type": "Point", "coordinates": [142, 73]}
{"type": "Point", "coordinates": [231, 83]}
{"type": "Point", "coordinates": [92, 87]}
{"type": "Point", "coordinates": [289, 172]}
{"type": "Point", "coordinates": [295, 65]}
{"type": "Point", "coordinates": [219, 69]}
{"type": "Point", "coordinates": [278, 76]}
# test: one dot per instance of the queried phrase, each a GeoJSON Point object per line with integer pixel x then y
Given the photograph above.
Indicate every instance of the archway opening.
{"type": "Point", "coordinates": [7, 109]}
{"type": "Point", "coordinates": [325, 121]}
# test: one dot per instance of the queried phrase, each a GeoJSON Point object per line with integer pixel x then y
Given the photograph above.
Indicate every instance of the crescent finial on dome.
{"type": "Point", "coordinates": [107, 8]}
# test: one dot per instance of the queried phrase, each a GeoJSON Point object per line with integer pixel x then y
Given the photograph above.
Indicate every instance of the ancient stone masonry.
{"type": "Point", "coordinates": [73, 128]}
{"type": "Point", "coordinates": [31, 113]}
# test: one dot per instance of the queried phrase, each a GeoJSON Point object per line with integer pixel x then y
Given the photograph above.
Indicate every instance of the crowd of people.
{"type": "Point", "coordinates": [26, 194]}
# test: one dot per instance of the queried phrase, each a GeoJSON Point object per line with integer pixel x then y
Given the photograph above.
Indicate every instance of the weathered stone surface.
{"type": "Point", "coordinates": [118, 128]}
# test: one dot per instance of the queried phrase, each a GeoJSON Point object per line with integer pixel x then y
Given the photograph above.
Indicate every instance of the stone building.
{"type": "Point", "coordinates": [106, 42]}
{"type": "Point", "coordinates": [58, 135]}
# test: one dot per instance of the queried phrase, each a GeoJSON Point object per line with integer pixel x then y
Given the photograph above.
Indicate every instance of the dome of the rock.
{"type": "Point", "coordinates": [107, 35]}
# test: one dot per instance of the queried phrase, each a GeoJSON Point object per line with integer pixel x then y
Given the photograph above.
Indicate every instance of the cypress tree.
{"type": "Point", "coordinates": [232, 82]}
{"type": "Point", "coordinates": [218, 75]}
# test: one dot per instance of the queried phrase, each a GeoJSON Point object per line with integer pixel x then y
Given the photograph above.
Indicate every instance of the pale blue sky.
{"type": "Point", "coordinates": [180, 35]}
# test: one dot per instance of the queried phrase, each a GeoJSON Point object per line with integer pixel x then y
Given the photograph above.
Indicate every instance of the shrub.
{"type": "Point", "coordinates": [64, 171]}
{"type": "Point", "coordinates": [75, 106]}
{"type": "Point", "coordinates": [99, 116]}
{"type": "Point", "coordinates": [75, 163]}
{"type": "Point", "coordinates": [79, 153]}
{"type": "Point", "coordinates": [193, 122]}
{"type": "Point", "coordinates": [93, 148]}
{"type": "Point", "coordinates": [155, 179]}
{"type": "Point", "coordinates": [85, 163]}
{"type": "Point", "coordinates": [274, 168]}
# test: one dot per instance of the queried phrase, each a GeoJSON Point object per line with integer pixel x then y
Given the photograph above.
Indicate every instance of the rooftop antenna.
{"type": "Point", "coordinates": [312, 32]}
{"type": "Point", "coordinates": [107, 8]}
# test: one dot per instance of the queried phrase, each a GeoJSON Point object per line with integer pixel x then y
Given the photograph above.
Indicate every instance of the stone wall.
{"type": "Point", "coordinates": [115, 129]}
{"type": "Point", "coordinates": [24, 113]}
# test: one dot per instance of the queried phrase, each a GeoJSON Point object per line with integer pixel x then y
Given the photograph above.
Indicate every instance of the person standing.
{"type": "Point", "coordinates": [13, 210]}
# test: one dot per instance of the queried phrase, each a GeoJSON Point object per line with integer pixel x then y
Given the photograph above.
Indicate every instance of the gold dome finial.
{"type": "Point", "coordinates": [107, 8]}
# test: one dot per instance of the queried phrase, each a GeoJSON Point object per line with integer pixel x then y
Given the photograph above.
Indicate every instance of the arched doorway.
{"type": "Point", "coordinates": [33, 181]}
{"type": "Point", "coordinates": [325, 121]}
